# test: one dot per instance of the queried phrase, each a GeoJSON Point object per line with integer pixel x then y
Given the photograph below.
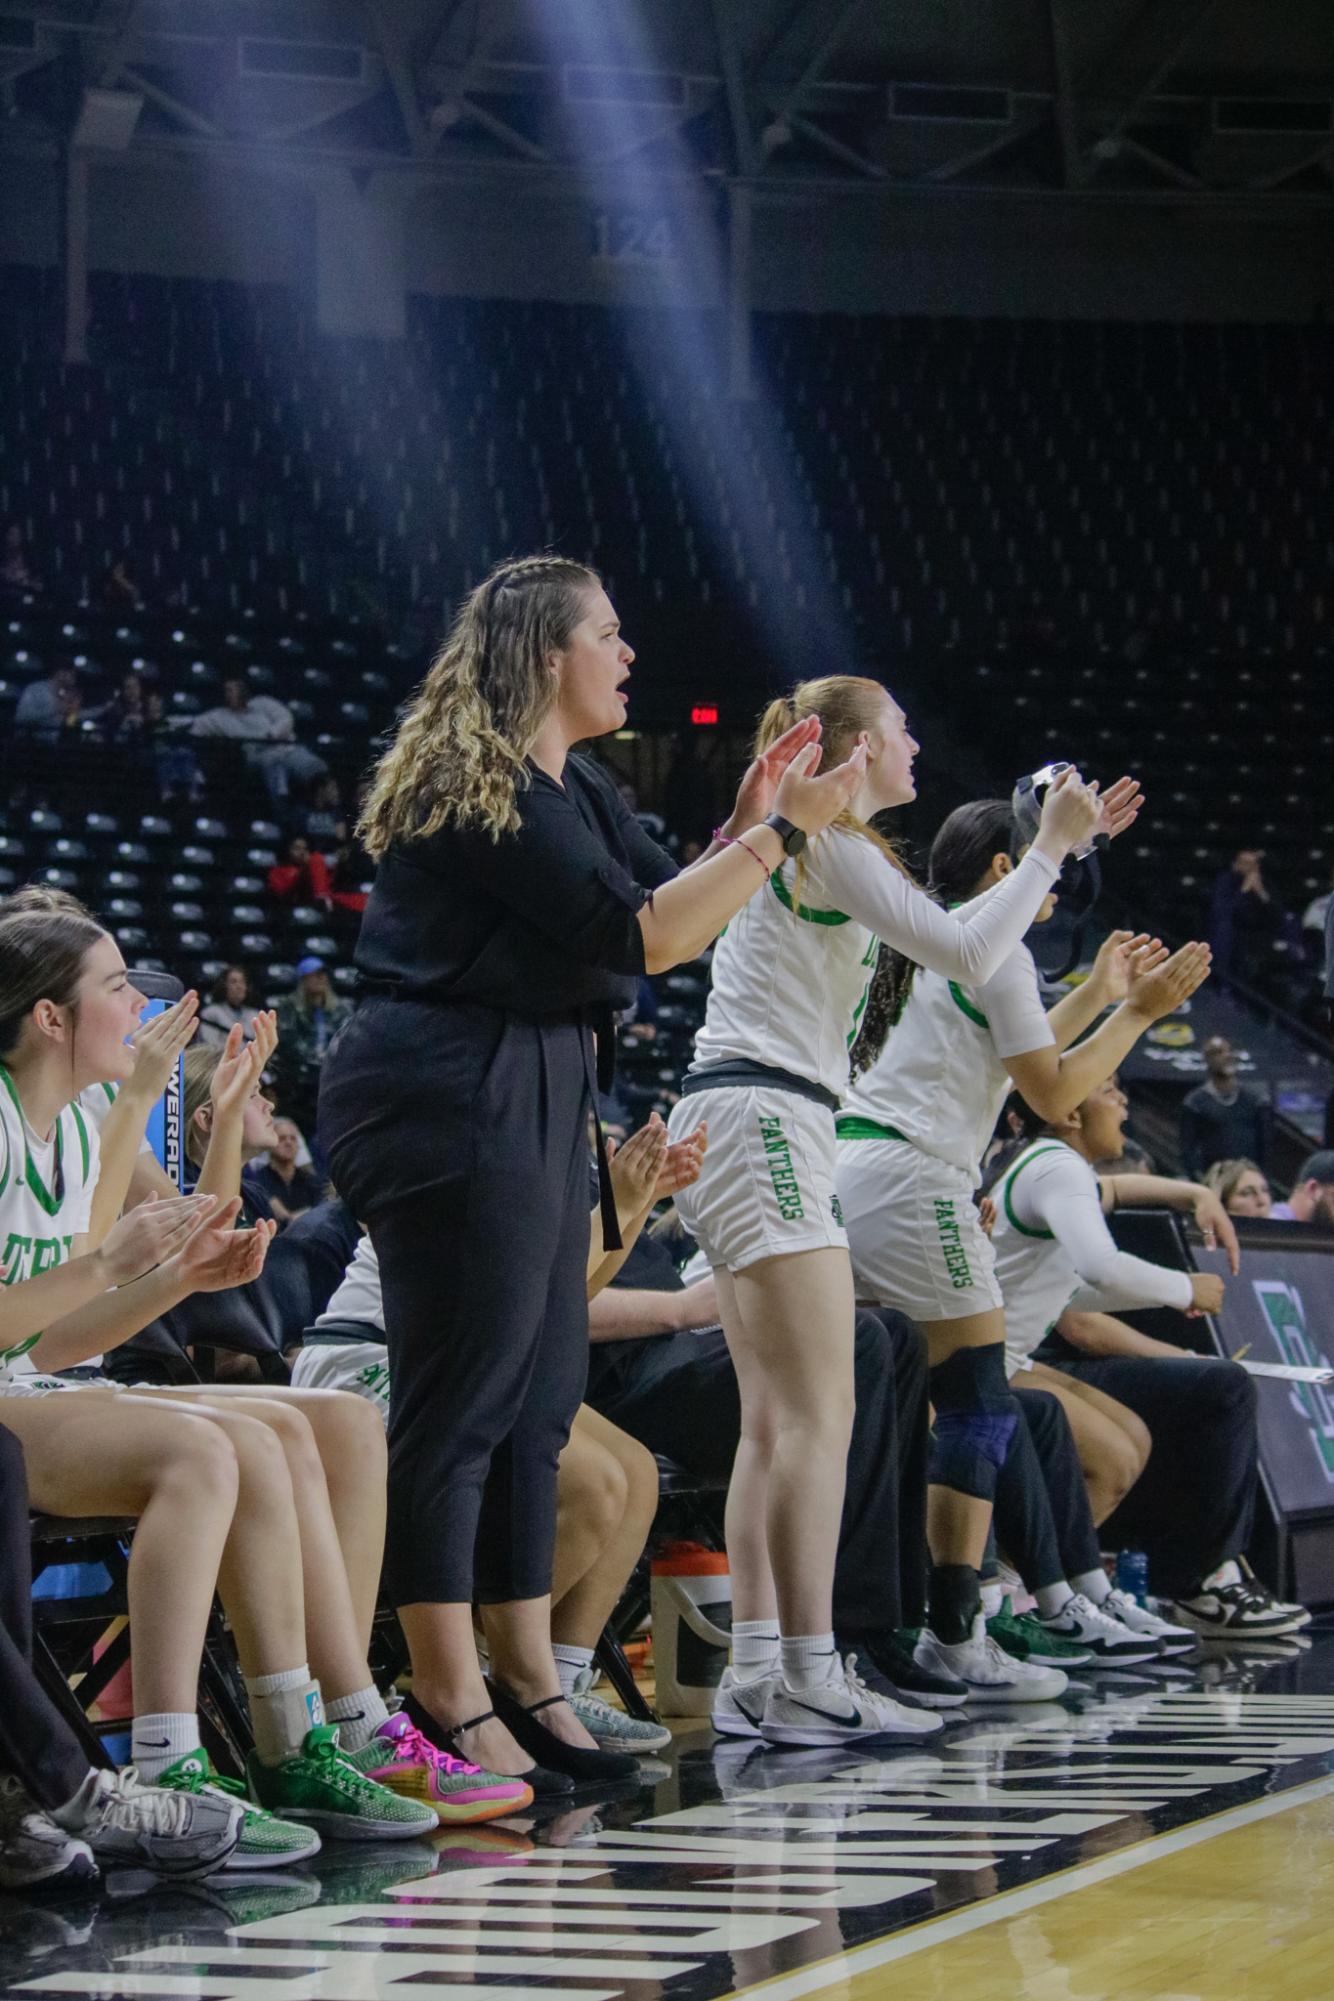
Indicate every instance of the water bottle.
{"type": "Point", "coordinates": [691, 1597]}
{"type": "Point", "coordinates": [1132, 1575]}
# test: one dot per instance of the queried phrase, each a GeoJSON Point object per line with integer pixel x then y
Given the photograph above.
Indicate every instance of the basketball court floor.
{"type": "Point", "coordinates": [1164, 1833]}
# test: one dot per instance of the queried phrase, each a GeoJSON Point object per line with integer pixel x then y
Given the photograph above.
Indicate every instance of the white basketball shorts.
{"type": "Point", "coordinates": [767, 1189]}
{"type": "Point", "coordinates": [914, 1232]}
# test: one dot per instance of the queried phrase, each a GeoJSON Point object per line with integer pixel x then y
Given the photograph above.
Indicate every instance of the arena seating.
{"type": "Point", "coordinates": [1112, 541]}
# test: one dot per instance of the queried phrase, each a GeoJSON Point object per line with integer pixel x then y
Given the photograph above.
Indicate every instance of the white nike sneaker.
{"type": "Point", "coordinates": [738, 1706]}
{"type": "Point", "coordinates": [1107, 1638]}
{"type": "Point", "coordinates": [842, 1710]}
{"type": "Point", "coordinates": [987, 1671]}
{"type": "Point", "coordinates": [1172, 1639]}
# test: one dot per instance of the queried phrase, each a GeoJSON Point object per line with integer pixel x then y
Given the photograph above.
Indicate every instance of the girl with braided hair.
{"type": "Point", "coordinates": [515, 905]}
{"type": "Point", "coordinates": [932, 1067]}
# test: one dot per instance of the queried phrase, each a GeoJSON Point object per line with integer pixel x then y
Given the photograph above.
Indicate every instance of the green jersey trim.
{"type": "Point", "coordinates": [965, 1006]}
{"type": "Point", "coordinates": [51, 1203]}
{"type": "Point", "coordinates": [784, 895]}
{"type": "Point", "coordinates": [850, 1125]}
{"type": "Point", "coordinates": [82, 1131]}
{"type": "Point", "coordinates": [1024, 1229]}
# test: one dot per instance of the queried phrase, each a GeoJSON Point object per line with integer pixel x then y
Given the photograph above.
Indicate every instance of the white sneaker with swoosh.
{"type": "Point", "coordinates": [738, 1706]}
{"type": "Point", "coordinates": [842, 1710]}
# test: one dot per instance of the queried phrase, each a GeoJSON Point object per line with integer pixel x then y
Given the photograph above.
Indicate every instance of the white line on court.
{"type": "Point", "coordinates": [1012, 1903]}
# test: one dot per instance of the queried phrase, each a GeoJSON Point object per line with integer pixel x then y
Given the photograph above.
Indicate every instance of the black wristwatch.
{"type": "Point", "coordinates": [793, 838]}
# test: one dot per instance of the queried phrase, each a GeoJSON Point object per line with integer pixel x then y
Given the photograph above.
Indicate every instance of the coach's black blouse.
{"type": "Point", "coordinates": [538, 923]}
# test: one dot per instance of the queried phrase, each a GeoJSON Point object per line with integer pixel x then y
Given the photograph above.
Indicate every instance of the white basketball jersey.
{"type": "Point", "coordinates": [46, 1200]}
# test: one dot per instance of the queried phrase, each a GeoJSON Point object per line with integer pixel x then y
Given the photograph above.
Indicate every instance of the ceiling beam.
{"type": "Point", "coordinates": [837, 150]}
{"type": "Point", "coordinates": [401, 76]}
{"type": "Point", "coordinates": [734, 83]}
{"type": "Point", "coordinates": [185, 114]}
{"type": "Point", "coordinates": [1064, 102]}
{"type": "Point", "coordinates": [818, 61]}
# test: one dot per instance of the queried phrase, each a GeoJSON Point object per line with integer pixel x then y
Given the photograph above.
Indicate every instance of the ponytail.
{"type": "Point", "coordinates": [1016, 1112]}
{"type": "Point", "coordinates": [961, 854]}
{"type": "Point", "coordinates": [846, 704]}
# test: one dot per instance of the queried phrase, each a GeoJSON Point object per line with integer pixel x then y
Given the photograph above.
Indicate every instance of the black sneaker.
{"type": "Point", "coordinates": [891, 1654]}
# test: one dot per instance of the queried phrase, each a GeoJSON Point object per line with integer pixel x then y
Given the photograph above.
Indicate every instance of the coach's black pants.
{"type": "Point", "coordinates": [459, 1136]}
{"type": "Point", "coordinates": [37, 1746]}
{"type": "Point", "coordinates": [1192, 1507]}
{"type": "Point", "coordinates": [677, 1394]}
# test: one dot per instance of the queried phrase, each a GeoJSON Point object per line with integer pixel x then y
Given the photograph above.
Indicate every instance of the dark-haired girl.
{"type": "Point", "coordinates": [933, 1063]}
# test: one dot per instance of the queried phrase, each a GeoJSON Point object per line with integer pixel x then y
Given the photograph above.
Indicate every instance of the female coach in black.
{"type": "Point", "coordinates": [514, 905]}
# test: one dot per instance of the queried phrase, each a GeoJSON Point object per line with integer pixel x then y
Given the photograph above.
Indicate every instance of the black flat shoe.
{"type": "Point", "coordinates": [546, 1783]}
{"type": "Point", "coordinates": [586, 1768]}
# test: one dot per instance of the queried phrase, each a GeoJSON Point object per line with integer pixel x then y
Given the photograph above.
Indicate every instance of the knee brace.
{"type": "Point", "coordinates": [976, 1416]}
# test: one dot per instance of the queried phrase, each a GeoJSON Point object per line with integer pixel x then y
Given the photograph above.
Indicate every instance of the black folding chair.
{"type": "Point", "coordinates": [67, 1632]}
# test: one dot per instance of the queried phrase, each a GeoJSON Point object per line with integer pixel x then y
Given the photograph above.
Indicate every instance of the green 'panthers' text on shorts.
{"type": "Point", "coordinates": [781, 1172]}
{"type": "Point", "coordinates": [951, 1244]}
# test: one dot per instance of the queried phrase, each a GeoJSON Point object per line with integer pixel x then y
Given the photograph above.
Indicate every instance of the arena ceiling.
{"type": "Point", "coordinates": [1162, 99]}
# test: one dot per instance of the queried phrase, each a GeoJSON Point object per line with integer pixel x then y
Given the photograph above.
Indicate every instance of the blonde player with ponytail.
{"type": "Point", "coordinates": [771, 1064]}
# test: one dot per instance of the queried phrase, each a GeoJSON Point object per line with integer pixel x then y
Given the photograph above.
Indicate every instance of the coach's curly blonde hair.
{"type": "Point", "coordinates": [458, 755]}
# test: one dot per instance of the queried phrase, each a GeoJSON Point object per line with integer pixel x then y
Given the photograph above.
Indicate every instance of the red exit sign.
{"type": "Point", "coordinates": [704, 715]}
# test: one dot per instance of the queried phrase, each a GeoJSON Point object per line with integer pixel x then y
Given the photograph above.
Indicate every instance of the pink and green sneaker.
{"type": "Point", "coordinates": [401, 1759]}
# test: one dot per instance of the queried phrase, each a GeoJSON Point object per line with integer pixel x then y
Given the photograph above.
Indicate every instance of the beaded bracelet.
{"type": "Point", "coordinates": [735, 841]}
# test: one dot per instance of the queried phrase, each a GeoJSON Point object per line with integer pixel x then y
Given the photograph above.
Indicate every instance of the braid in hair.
{"type": "Point", "coordinates": [961, 854]}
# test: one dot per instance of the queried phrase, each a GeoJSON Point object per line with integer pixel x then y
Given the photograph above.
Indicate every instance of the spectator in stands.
{"type": "Point", "coordinates": [303, 873]}
{"type": "Point", "coordinates": [1317, 910]}
{"type": "Point", "coordinates": [1241, 1188]}
{"type": "Point", "coordinates": [1222, 1119]}
{"type": "Point", "coordinates": [175, 765]}
{"type": "Point", "coordinates": [229, 1006]}
{"type": "Point", "coordinates": [289, 1189]}
{"type": "Point", "coordinates": [1247, 921]}
{"type": "Point", "coordinates": [1311, 1198]}
{"type": "Point", "coordinates": [308, 1020]}
{"type": "Point", "coordinates": [324, 821]}
{"type": "Point", "coordinates": [15, 574]}
{"type": "Point", "coordinates": [120, 592]}
{"type": "Point", "coordinates": [49, 708]}
{"type": "Point", "coordinates": [264, 726]}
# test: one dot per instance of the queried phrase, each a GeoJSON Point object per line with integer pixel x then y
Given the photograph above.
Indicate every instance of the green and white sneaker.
{"type": "Point", "coordinates": [610, 1728]}
{"type": "Point", "coordinates": [319, 1787]}
{"type": "Point", "coordinates": [265, 1841]}
{"type": "Point", "coordinates": [1029, 1641]}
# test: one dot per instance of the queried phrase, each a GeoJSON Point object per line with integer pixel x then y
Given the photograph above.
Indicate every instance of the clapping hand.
{"type": "Point", "coordinates": [158, 1043]}
{"type": "Point", "coordinates": [242, 1064]}
{"type": "Point", "coordinates": [219, 1256]}
{"type": "Point", "coordinates": [1120, 807]}
{"type": "Point", "coordinates": [759, 785]}
{"type": "Point", "coordinates": [1124, 956]}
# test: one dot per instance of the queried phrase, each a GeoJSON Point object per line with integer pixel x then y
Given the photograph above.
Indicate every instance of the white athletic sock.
{"type": "Point", "coordinates": [283, 1707]}
{"type": "Point", "coordinates": [358, 1716]}
{"type": "Point", "coordinates": [1052, 1598]}
{"type": "Point", "coordinates": [754, 1648]}
{"type": "Point", "coordinates": [571, 1662]}
{"type": "Point", "coordinates": [993, 1597]}
{"type": "Point", "coordinates": [158, 1741]}
{"type": "Point", "coordinates": [1095, 1585]}
{"type": "Point", "coordinates": [1226, 1573]}
{"type": "Point", "coordinates": [810, 1660]}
